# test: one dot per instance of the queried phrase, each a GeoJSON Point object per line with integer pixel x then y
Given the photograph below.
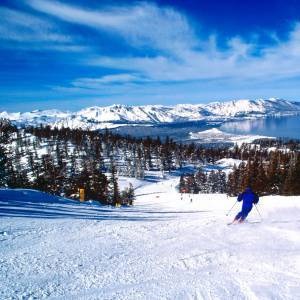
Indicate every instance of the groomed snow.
{"type": "Point", "coordinates": [162, 248]}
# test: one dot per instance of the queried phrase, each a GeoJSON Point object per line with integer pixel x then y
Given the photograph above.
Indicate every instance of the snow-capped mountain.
{"type": "Point", "coordinates": [247, 107]}
{"type": "Point", "coordinates": [116, 115]}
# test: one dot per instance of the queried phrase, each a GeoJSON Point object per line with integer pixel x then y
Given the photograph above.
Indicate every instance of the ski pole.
{"type": "Point", "coordinates": [258, 212]}
{"type": "Point", "coordinates": [231, 208]}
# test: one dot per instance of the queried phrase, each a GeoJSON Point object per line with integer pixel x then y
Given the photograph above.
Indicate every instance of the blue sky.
{"type": "Point", "coordinates": [74, 54]}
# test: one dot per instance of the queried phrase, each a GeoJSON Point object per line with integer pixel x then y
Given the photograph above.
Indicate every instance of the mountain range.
{"type": "Point", "coordinates": [99, 117]}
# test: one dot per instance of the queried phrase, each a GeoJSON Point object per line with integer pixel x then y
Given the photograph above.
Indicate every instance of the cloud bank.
{"type": "Point", "coordinates": [160, 47]}
{"type": "Point", "coordinates": [177, 52]}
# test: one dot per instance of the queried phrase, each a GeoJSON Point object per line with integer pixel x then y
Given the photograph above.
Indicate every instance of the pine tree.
{"type": "Point", "coordinates": [148, 153]}
{"type": "Point", "coordinates": [221, 182]}
{"type": "Point", "coordinates": [6, 130]}
{"type": "Point", "coordinates": [139, 165]}
{"type": "Point", "coordinates": [288, 182]}
{"type": "Point", "coordinates": [291, 185]}
{"type": "Point", "coordinates": [182, 185]}
{"type": "Point", "coordinates": [260, 180]}
{"type": "Point", "coordinates": [131, 194]}
{"type": "Point", "coordinates": [296, 176]}
{"type": "Point", "coordinates": [191, 185]}
{"type": "Point", "coordinates": [233, 183]}
{"type": "Point", "coordinates": [82, 180]}
{"type": "Point", "coordinates": [99, 184]}
{"type": "Point", "coordinates": [201, 181]}
{"type": "Point", "coordinates": [212, 182]}
{"type": "Point", "coordinates": [3, 167]}
{"type": "Point", "coordinates": [273, 174]}
{"type": "Point", "coordinates": [113, 187]}
{"type": "Point", "coordinates": [127, 196]}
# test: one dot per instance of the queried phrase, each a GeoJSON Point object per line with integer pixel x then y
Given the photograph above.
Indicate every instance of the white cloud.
{"type": "Point", "coordinates": [114, 79]}
{"type": "Point", "coordinates": [178, 54]}
{"type": "Point", "coordinates": [20, 26]}
{"type": "Point", "coordinates": [26, 31]}
{"type": "Point", "coordinates": [142, 24]}
{"type": "Point", "coordinates": [238, 61]}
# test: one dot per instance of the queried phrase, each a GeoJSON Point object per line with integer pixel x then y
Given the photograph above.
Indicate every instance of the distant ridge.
{"type": "Point", "coordinates": [99, 117]}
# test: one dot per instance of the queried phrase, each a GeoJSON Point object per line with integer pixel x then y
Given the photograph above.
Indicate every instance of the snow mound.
{"type": "Point", "coordinates": [228, 162]}
{"type": "Point", "coordinates": [215, 135]}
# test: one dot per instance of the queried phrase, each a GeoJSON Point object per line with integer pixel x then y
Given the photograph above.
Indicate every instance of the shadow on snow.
{"type": "Point", "coordinates": [35, 204]}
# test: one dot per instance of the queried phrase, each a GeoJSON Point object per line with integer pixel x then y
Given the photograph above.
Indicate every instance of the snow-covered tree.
{"type": "Point", "coordinates": [113, 197]}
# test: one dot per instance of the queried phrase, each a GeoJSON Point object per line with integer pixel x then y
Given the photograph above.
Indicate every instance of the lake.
{"type": "Point", "coordinates": [288, 126]}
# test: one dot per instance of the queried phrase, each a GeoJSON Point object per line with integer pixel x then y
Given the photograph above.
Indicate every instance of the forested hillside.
{"type": "Point", "coordinates": [60, 161]}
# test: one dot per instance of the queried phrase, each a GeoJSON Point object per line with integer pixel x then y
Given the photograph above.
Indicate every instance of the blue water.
{"type": "Point", "coordinates": [288, 127]}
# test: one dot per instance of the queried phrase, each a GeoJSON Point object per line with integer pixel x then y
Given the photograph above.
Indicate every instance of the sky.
{"type": "Point", "coordinates": [74, 54]}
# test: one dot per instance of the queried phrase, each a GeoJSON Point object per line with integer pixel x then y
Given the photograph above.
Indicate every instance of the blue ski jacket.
{"type": "Point", "coordinates": [249, 198]}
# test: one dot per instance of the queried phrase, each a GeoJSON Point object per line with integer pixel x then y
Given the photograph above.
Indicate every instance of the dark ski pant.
{"type": "Point", "coordinates": [242, 215]}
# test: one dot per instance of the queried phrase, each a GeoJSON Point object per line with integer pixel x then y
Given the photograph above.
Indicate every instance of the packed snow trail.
{"type": "Point", "coordinates": [162, 248]}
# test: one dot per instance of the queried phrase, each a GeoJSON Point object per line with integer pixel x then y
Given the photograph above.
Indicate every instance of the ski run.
{"type": "Point", "coordinates": [166, 246]}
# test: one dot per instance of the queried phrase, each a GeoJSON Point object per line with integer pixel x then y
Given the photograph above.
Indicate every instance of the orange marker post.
{"type": "Point", "coordinates": [81, 195]}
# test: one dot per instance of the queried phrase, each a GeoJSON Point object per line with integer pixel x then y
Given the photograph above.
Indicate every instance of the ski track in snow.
{"type": "Point", "coordinates": [162, 248]}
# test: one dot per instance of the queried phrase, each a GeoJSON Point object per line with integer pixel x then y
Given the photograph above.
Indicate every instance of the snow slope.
{"type": "Point", "coordinates": [100, 117]}
{"type": "Point", "coordinates": [162, 248]}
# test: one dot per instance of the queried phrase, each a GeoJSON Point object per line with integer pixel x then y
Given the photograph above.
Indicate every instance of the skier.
{"type": "Point", "coordinates": [249, 198]}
